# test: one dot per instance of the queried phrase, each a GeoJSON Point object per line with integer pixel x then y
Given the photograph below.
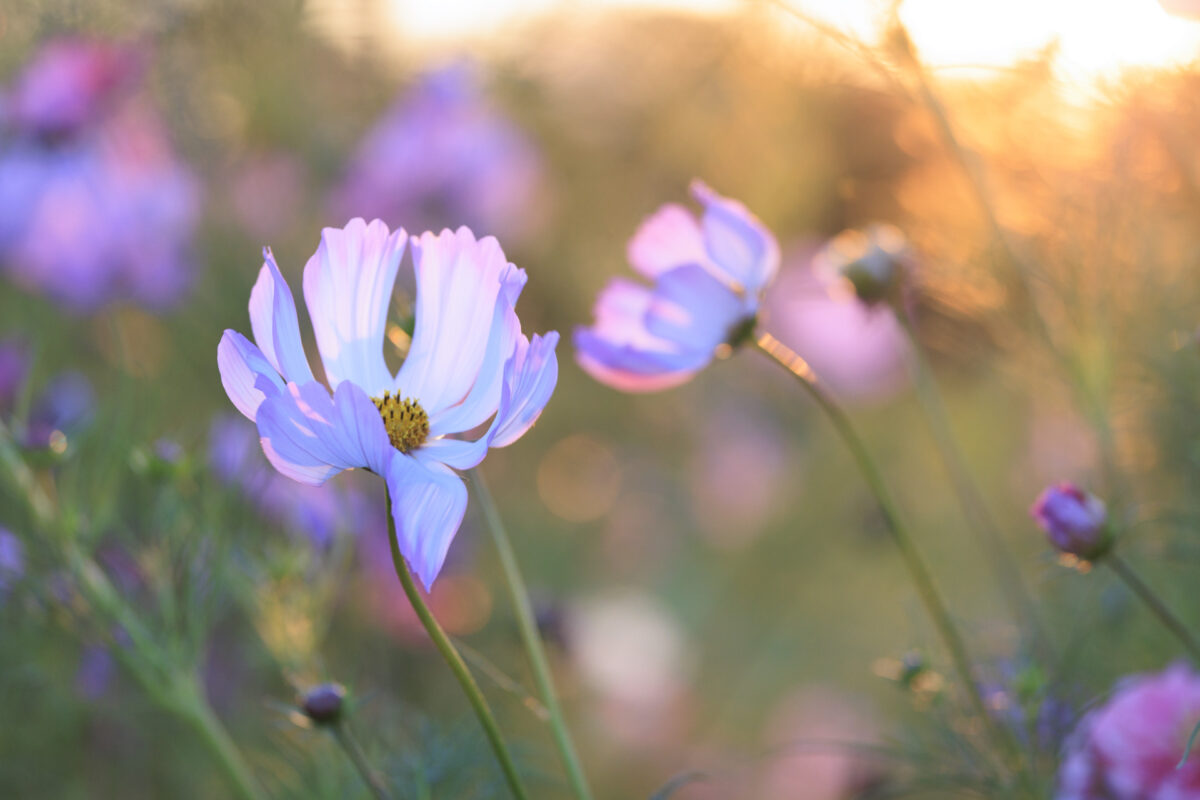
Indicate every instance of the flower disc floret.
{"type": "Point", "coordinates": [406, 422]}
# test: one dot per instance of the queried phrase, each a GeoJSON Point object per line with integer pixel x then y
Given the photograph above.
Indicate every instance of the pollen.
{"type": "Point", "coordinates": [406, 422]}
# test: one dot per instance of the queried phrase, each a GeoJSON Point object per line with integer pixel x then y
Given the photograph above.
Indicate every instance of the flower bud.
{"type": "Point", "coordinates": [1075, 521]}
{"type": "Point", "coordinates": [323, 704]}
{"type": "Point", "coordinates": [871, 261]}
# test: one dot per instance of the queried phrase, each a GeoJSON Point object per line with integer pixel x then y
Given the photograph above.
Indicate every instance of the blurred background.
{"type": "Point", "coordinates": [715, 582]}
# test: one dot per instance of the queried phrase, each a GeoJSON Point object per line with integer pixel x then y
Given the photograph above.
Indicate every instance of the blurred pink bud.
{"type": "Point", "coordinates": [1075, 521]}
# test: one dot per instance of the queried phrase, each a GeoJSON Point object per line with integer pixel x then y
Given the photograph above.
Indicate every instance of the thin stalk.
{"type": "Point", "coordinates": [454, 661]}
{"type": "Point", "coordinates": [531, 638]}
{"type": "Point", "coordinates": [354, 752]}
{"type": "Point", "coordinates": [1155, 603]}
{"type": "Point", "coordinates": [970, 498]}
{"type": "Point", "coordinates": [798, 368]}
{"type": "Point", "coordinates": [196, 710]}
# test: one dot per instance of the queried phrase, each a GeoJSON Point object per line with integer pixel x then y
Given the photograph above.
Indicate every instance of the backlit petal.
{"type": "Point", "coordinates": [273, 320]}
{"type": "Point", "coordinates": [246, 374]}
{"type": "Point", "coordinates": [348, 289]}
{"type": "Point", "coordinates": [529, 380]}
{"type": "Point", "coordinates": [738, 244]}
{"type": "Point", "coordinates": [428, 503]}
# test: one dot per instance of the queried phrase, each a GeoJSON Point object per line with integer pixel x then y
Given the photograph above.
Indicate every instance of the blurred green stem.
{"type": "Point", "coordinates": [798, 368]}
{"type": "Point", "coordinates": [1155, 603]}
{"type": "Point", "coordinates": [969, 496]}
{"type": "Point", "coordinates": [354, 751]}
{"type": "Point", "coordinates": [455, 662]}
{"type": "Point", "coordinates": [174, 688]}
{"type": "Point", "coordinates": [527, 625]}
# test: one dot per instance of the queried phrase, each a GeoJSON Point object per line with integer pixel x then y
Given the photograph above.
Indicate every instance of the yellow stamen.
{"type": "Point", "coordinates": [406, 422]}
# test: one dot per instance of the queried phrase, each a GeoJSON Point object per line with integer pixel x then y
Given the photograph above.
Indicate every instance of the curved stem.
{"type": "Point", "coordinates": [354, 751]}
{"type": "Point", "coordinates": [1155, 603]}
{"type": "Point", "coordinates": [531, 638]}
{"type": "Point", "coordinates": [455, 662]}
{"type": "Point", "coordinates": [782, 355]}
{"type": "Point", "coordinates": [970, 498]}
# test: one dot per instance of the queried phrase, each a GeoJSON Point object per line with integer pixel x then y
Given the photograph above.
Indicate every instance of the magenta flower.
{"type": "Point", "coordinates": [1075, 521]}
{"type": "Point", "coordinates": [708, 274]}
{"type": "Point", "coordinates": [1128, 748]}
{"type": "Point", "coordinates": [468, 363]}
{"type": "Point", "coordinates": [105, 213]}
{"type": "Point", "coordinates": [440, 154]}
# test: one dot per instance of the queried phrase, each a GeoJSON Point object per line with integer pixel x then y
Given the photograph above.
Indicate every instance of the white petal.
{"type": "Point", "coordinates": [309, 436]}
{"type": "Point", "coordinates": [273, 320]}
{"type": "Point", "coordinates": [348, 288]}
{"type": "Point", "coordinates": [428, 503]}
{"type": "Point", "coordinates": [247, 376]}
{"type": "Point", "coordinates": [458, 279]}
{"type": "Point", "coordinates": [529, 380]}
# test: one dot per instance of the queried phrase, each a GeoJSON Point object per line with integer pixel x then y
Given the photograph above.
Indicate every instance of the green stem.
{"type": "Point", "coordinates": [1155, 603]}
{"type": "Point", "coordinates": [970, 498]}
{"type": "Point", "coordinates": [531, 638]}
{"type": "Point", "coordinates": [798, 368]}
{"type": "Point", "coordinates": [195, 709]}
{"type": "Point", "coordinates": [354, 751]}
{"type": "Point", "coordinates": [455, 662]}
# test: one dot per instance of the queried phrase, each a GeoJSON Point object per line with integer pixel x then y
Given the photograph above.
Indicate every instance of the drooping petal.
{"type": "Point", "coordinates": [459, 454]}
{"type": "Point", "coordinates": [428, 503]}
{"type": "Point", "coordinates": [246, 374]}
{"type": "Point", "coordinates": [309, 436]}
{"type": "Point", "coordinates": [273, 320]}
{"type": "Point", "coordinates": [484, 398]}
{"type": "Point", "coordinates": [693, 309]}
{"type": "Point", "coordinates": [529, 380]}
{"type": "Point", "coordinates": [348, 289]}
{"type": "Point", "coordinates": [738, 244]}
{"type": "Point", "coordinates": [669, 238]}
{"type": "Point", "coordinates": [458, 280]}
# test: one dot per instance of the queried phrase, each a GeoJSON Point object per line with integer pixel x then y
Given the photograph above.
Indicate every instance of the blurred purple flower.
{"type": "Point", "coordinates": [708, 274]}
{"type": "Point", "coordinates": [14, 369]}
{"type": "Point", "coordinates": [67, 85]}
{"type": "Point", "coordinates": [12, 559]}
{"type": "Point", "coordinates": [318, 512]}
{"type": "Point", "coordinates": [860, 351]}
{"type": "Point", "coordinates": [1075, 521]}
{"type": "Point", "coordinates": [65, 406]}
{"type": "Point", "coordinates": [441, 156]}
{"type": "Point", "coordinates": [1128, 748]}
{"type": "Point", "coordinates": [468, 363]}
{"type": "Point", "coordinates": [105, 215]}
{"type": "Point", "coordinates": [96, 671]}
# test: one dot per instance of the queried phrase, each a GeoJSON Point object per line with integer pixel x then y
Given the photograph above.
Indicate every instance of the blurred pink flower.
{"type": "Point", "coordinates": [858, 350]}
{"type": "Point", "coordinates": [1128, 748]}
{"type": "Point", "coordinates": [818, 736]}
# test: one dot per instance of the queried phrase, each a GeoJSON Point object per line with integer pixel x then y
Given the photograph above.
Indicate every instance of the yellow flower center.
{"type": "Point", "coordinates": [406, 422]}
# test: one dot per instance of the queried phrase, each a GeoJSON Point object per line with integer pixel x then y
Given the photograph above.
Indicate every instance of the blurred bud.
{"type": "Point", "coordinates": [911, 667]}
{"type": "Point", "coordinates": [871, 261]}
{"type": "Point", "coordinates": [1075, 521]}
{"type": "Point", "coordinates": [323, 704]}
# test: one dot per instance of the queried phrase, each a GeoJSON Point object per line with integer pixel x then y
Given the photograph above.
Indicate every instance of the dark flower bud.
{"type": "Point", "coordinates": [323, 704]}
{"type": "Point", "coordinates": [1075, 521]}
{"type": "Point", "coordinates": [872, 262]}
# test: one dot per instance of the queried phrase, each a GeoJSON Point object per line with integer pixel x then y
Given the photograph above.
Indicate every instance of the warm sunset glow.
{"type": "Point", "coordinates": [1092, 38]}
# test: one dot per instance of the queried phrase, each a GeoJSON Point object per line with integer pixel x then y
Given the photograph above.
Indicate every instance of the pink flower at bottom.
{"type": "Point", "coordinates": [1128, 748]}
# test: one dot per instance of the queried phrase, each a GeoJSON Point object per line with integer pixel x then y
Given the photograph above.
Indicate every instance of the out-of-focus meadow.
{"type": "Point", "coordinates": [717, 590]}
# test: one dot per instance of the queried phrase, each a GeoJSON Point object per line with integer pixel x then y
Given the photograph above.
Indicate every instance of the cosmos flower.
{"type": "Point", "coordinates": [1075, 521]}
{"type": "Point", "coordinates": [94, 205]}
{"type": "Point", "coordinates": [440, 154]}
{"type": "Point", "coordinates": [468, 363]}
{"type": "Point", "coordinates": [1128, 748]}
{"type": "Point", "coordinates": [708, 274]}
